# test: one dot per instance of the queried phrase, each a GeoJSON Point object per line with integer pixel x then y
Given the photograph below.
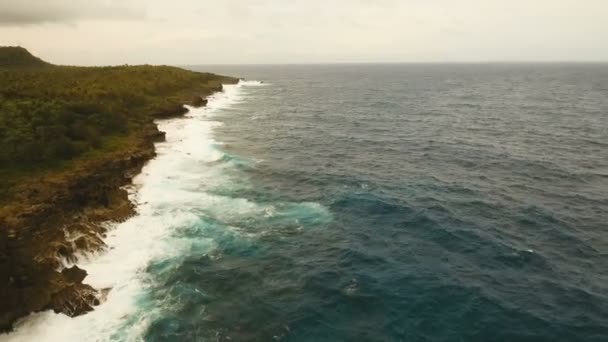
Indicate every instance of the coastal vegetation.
{"type": "Point", "coordinates": [16, 57]}
{"type": "Point", "coordinates": [50, 115]}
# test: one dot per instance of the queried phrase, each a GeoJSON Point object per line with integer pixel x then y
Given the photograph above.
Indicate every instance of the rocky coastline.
{"type": "Point", "coordinates": [55, 218]}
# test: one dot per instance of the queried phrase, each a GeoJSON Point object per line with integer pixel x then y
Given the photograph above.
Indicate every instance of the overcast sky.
{"type": "Point", "coordinates": [306, 31]}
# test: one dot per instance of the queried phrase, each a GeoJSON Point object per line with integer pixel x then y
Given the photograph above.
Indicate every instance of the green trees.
{"type": "Point", "coordinates": [54, 113]}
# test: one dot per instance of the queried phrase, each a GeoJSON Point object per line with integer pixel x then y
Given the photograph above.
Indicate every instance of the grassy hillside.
{"type": "Point", "coordinates": [56, 114]}
{"type": "Point", "coordinates": [16, 56]}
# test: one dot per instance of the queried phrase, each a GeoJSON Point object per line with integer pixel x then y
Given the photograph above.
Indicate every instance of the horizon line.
{"type": "Point", "coordinates": [390, 63]}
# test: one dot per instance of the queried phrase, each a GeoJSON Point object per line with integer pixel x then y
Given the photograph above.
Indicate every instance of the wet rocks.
{"type": "Point", "coordinates": [74, 300]}
{"type": "Point", "coordinates": [74, 274]}
{"type": "Point", "coordinates": [198, 101]}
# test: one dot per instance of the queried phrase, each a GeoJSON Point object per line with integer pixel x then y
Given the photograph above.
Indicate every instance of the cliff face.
{"type": "Point", "coordinates": [54, 218]}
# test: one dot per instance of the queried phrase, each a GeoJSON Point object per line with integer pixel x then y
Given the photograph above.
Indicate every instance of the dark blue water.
{"type": "Point", "coordinates": [460, 203]}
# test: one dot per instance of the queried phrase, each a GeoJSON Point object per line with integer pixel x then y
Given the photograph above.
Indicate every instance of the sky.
{"type": "Point", "coordinates": [180, 32]}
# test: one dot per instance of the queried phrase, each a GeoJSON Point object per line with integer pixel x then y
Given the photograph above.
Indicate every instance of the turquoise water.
{"type": "Point", "coordinates": [367, 203]}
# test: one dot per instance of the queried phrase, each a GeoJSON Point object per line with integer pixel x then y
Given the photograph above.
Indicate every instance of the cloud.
{"type": "Point", "coordinates": [32, 12]}
{"type": "Point", "coordinates": [306, 31]}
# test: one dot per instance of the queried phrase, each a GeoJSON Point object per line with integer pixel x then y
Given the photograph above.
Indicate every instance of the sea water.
{"type": "Point", "coordinates": [366, 203]}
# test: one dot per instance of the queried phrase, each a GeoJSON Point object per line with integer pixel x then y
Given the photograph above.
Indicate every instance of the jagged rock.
{"type": "Point", "coordinates": [75, 300]}
{"type": "Point", "coordinates": [74, 274]}
{"type": "Point", "coordinates": [171, 111]}
{"type": "Point", "coordinates": [66, 252]}
{"type": "Point", "coordinates": [90, 241]}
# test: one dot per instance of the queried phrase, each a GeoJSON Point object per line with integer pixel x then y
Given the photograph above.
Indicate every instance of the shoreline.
{"type": "Point", "coordinates": [59, 216]}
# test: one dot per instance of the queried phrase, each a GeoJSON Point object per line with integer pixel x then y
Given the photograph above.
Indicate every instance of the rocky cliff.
{"type": "Point", "coordinates": [55, 217]}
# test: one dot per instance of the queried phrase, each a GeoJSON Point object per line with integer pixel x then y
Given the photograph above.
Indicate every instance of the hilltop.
{"type": "Point", "coordinates": [70, 139]}
{"type": "Point", "coordinates": [18, 57]}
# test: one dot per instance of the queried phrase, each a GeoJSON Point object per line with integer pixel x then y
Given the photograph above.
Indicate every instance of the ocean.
{"type": "Point", "coordinates": [418, 202]}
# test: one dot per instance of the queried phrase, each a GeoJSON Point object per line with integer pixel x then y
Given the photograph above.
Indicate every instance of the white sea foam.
{"type": "Point", "coordinates": [253, 83]}
{"type": "Point", "coordinates": [166, 192]}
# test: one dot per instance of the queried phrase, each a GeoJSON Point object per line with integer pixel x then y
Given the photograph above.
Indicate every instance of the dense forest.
{"type": "Point", "coordinates": [50, 114]}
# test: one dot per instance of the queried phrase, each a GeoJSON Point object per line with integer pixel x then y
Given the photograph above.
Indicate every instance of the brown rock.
{"type": "Point", "coordinates": [171, 111]}
{"type": "Point", "coordinates": [198, 101]}
{"type": "Point", "coordinates": [74, 274]}
{"type": "Point", "coordinates": [89, 243]}
{"type": "Point", "coordinates": [74, 300]}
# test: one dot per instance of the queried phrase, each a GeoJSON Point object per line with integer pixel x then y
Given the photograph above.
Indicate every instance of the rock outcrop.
{"type": "Point", "coordinates": [171, 111]}
{"type": "Point", "coordinates": [198, 101]}
{"type": "Point", "coordinates": [55, 218]}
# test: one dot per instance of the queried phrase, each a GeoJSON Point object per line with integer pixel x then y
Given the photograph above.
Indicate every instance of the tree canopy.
{"type": "Point", "coordinates": [49, 114]}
